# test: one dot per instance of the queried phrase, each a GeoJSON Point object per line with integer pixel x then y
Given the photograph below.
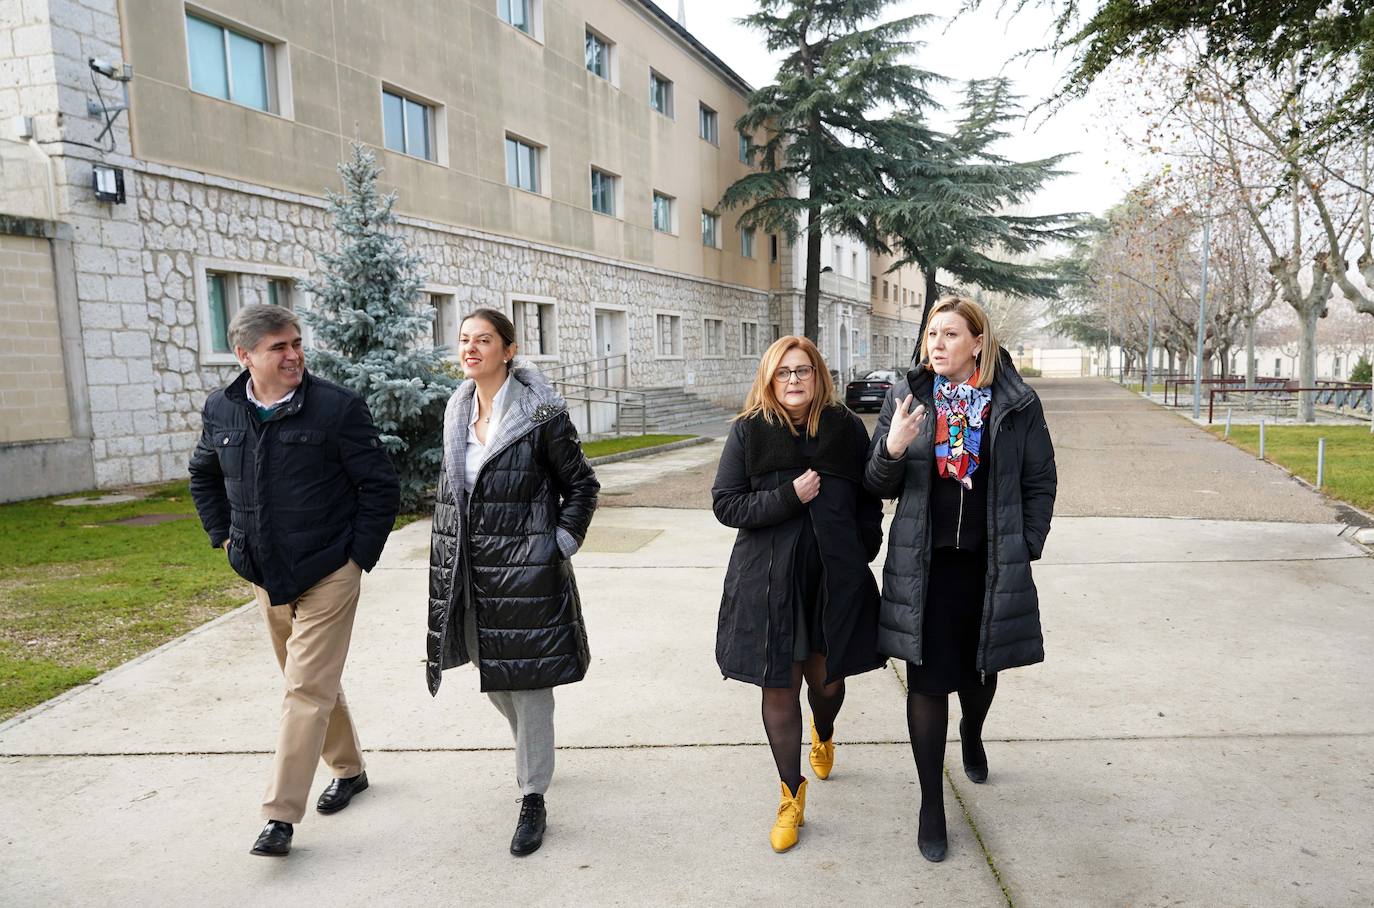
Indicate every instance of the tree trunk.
{"type": "Point", "coordinates": [1250, 364]}
{"type": "Point", "coordinates": [1307, 363]}
{"type": "Point", "coordinates": [811, 309]}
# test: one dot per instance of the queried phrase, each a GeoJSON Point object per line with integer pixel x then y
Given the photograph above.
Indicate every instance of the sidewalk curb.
{"type": "Point", "coordinates": [78, 690]}
{"type": "Point", "coordinates": [655, 449]}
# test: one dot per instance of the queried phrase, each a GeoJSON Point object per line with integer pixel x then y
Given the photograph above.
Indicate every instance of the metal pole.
{"type": "Point", "coordinates": [1150, 353]}
{"type": "Point", "coordinates": [1202, 296]}
{"type": "Point", "coordinates": [1261, 438]}
{"type": "Point", "coordinates": [1321, 461]}
{"type": "Point", "coordinates": [1228, 423]}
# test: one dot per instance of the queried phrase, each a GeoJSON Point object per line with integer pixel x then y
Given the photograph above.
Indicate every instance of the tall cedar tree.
{"type": "Point", "coordinates": [950, 206]}
{"type": "Point", "coordinates": [370, 328]}
{"type": "Point", "coordinates": [819, 123]}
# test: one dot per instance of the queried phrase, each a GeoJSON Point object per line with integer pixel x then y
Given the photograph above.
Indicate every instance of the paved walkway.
{"type": "Point", "coordinates": [1201, 733]}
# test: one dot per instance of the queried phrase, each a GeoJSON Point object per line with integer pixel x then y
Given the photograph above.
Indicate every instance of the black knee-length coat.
{"type": "Point", "coordinates": [753, 492]}
{"type": "Point", "coordinates": [1020, 505]}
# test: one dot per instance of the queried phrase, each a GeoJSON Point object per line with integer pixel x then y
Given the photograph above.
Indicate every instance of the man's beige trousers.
{"type": "Point", "coordinates": [310, 637]}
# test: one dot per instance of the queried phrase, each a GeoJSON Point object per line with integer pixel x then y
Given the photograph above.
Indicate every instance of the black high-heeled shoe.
{"type": "Point", "coordinates": [976, 773]}
{"type": "Point", "coordinates": [934, 850]}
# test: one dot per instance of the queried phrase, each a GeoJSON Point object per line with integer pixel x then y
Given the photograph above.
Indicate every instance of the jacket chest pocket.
{"type": "Point", "coordinates": [229, 448]}
{"type": "Point", "coordinates": [303, 451]}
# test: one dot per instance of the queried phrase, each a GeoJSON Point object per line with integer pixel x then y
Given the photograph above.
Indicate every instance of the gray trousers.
{"type": "Point", "coordinates": [530, 714]}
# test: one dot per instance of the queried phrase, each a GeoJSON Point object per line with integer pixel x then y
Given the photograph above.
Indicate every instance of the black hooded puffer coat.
{"type": "Point", "coordinates": [509, 545]}
{"type": "Point", "coordinates": [1020, 505]}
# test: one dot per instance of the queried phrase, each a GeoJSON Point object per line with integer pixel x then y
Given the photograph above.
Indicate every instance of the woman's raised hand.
{"type": "Point", "coordinates": [808, 485]}
{"type": "Point", "coordinates": [904, 426]}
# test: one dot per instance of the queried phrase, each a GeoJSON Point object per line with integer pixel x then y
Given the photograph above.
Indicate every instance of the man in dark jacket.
{"type": "Point", "coordinates": [290, 477]}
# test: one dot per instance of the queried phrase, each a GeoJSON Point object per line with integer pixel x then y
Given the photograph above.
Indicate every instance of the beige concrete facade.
{"type": "Point", "coordinates": [484, 80]}
{"type": "Point", "coordinates": [896, 299]}
{"type": "Point", "coordinates": [33, 388]}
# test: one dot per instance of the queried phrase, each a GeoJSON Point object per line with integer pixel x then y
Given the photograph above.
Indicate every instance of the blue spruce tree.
{"type": "Point", "coordinates": [370, 328]}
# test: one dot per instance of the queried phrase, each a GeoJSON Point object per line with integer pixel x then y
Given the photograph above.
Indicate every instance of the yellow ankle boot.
{"type": "Point", "coordinates": [822, 753]}
{"type": "Point", "coordinates": [791, 816]}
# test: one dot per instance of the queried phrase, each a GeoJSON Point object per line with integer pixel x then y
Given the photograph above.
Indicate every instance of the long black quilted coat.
{"type": "Point", "coordinates": [1020, 505]}
{"type": "Point", "coordinates": [509, 545]}
{"type": "Point", "coordinates": [753, 492]}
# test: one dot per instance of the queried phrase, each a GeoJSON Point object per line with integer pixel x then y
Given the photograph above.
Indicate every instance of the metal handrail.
{"type": "Point", "coordinates": [622, 396]}
{"type": "Point", "coordinates": [563, 370]}
{"type": "Point", "coordinates": [1348, 391]}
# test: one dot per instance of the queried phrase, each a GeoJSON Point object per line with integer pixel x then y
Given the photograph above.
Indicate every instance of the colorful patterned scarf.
{"type": "Point", "coordinates": [960, 410]}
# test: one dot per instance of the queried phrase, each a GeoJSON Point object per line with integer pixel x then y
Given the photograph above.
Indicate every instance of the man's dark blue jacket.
{"type": "Point", "coordinates": [297, 495]}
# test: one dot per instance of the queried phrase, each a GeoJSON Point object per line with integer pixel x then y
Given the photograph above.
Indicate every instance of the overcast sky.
{"type": "Point", "coordinates": [976, 45]}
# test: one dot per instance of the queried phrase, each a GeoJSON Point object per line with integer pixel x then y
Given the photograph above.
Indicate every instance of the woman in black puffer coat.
{"type": "Point", "coordinates": [800, 601]}
{"type": "Point", "coordinates": [963, 446]}
{"type": "Point", "coordinates": [515, 499]}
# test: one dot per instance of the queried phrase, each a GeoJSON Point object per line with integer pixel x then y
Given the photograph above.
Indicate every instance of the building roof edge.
{"type": "Point", "coordinates": [696, 45]}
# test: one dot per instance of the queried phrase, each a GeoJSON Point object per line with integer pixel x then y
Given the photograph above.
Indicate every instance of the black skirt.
{"type": "Point", "coordinates": [950, 623]}
{"type": "Point", "coordinates": [808, 595]}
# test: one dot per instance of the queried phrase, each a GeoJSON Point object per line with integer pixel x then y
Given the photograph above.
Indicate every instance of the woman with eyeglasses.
{"type": "Point", "coordinates": [800, 602]}
{"type": "Point", "coordinates": [963, 446]}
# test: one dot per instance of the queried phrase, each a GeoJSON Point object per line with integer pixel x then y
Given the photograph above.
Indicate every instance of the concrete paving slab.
{"type": "Point", "coordinates": [1239, 821]}
{"type": "Point", "coordinates": [687, 826]}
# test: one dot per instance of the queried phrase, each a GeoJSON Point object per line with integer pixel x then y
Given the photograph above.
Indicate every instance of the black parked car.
{"type": "Point", "coordinates": [869, 392]}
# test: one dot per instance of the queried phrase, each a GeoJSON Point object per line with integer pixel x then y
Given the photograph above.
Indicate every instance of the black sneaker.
{"type": "Point", "coordinates": [529, 829]}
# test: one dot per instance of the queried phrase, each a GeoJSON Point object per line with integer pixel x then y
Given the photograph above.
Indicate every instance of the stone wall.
{"type": "Point", "coordinates": [33, 387]}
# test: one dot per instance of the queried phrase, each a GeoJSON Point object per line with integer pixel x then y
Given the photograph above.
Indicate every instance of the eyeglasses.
{"type": "Point", "coordinates": [784, 374]}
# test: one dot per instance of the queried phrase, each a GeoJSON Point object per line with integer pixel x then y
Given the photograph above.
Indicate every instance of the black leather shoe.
{"type": "Point", "coordinates": [275, 840]}
{"type": "Point", "coordinates": [933, 851]}
{"type": "Point", "coordinates": [339, 792]}
{"type": "Point", "coordinates": [976, 773]}
{"type": "Point", "coordinates": [529, 829]}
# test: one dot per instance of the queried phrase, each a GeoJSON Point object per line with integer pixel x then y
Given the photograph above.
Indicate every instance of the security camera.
{"type": "Point", "coordinates": [111, 71]}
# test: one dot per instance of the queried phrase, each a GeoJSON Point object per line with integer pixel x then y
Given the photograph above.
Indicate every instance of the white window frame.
{"type": "Point", "coordinates": [536, 13]}
{"type": "Point", "coordinates": [451, 292]}
{"type": "Point", "coordinates": [705, 335]}
{"type": "Point", "coordinates": [655, 314]}
{"type": "Point", "coordinates": [672, 212]}
{"type": "Point", "coordinates": [276, 66]}
{"type": "Point", "coordinates": [541, 163]}
{"type": "Point", "coordinates": [671, 112]}
{"type": "Point", "coordinates": [706, 114]}
{"type": "Point", "coordinates": [612, 55]}
{"type": "Point", "coordinates": [747, 235]}
{"type": "Point", "coordinates": [233, 271]}
{"type": "Point", "coordinates": [617, 192]}
{"type": "Point", "coordinates": [715, 229]}
{"type": "Point", "coordinates": [744, 352]}
{"type": "Point", "coordinates": [511, 299]}
{"type": "Point", "coordinates": [438, 124]}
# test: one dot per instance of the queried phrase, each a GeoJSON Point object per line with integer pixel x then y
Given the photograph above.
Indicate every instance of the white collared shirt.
{"type": "Point", "coordinates": [476, 451]}
{"type": "Point", "coordinates": [253, 400]}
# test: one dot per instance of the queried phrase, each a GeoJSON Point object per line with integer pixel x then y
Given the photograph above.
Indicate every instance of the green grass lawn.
{"type": "Point", "coordinates": [79, 596]}
{"type": "Point", "coordinates": [628, 443]}
{"type": "Point", "coordinates": [1349, 473]}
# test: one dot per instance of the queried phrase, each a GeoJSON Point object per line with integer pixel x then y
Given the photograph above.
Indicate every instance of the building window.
{"type": "Point", "coordinates": [873, 287]}
{"type": "Point", "coordinates": [229, 65]}
{"type": "Point", "coordinates": [660, 94]}
{"type": "Point", "coordinates": [773, 248]}
{"type": "Point", "coordinates": [713, 337]}
{"type": "Point", "coordinates": [854, 264]}
{"type": "Point", "coordinates": [1278, 366]}
{"type": "Point", "coordinates": [774, 332]}
{"type": "Point", "coordinates": [519, 13]}
{"type": "Point", "coordinates": [408, 124]}
{"type": "Point", "coordinates": [222, 298]}
{"type": "Point", "coordinates": [748, 339]}
{"type": "Point", "coordinates": [604, 187]}
{"type": "Point", "coordinates": [600, 56]}
{"type": "Point", "coordinates": [820, 339]}
{"type": "Point", "coordinates": [536, 327]}
{"type": "Point", "coordinates": [745, 140]}
{"type": "Point", "coordinates": [710, 229]}
{"type": "Point", "coordinates": [709, 125]}
{"type": "Point", "coordinates": [522, 164]}
{"type": "Point", "coordinates": [444, 332]}
{"type": "Point", "coordinates": [835, 259]}
{"type": "Point", "coordinates": [279, 291]}
{"type": "Point", "coordinates": [663, 213]}
{"type": "Point", "coordinates": [668, 335]}
{"type": "Point", "coordinates": [746, 242]}
{"type": "Point", "coordinates": [884, 291]}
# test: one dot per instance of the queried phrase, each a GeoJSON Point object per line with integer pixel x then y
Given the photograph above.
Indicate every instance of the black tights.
{"type": "Point", "coordinates": [927, 720]}
{"type": "Point", "coordinates": [782, 715]}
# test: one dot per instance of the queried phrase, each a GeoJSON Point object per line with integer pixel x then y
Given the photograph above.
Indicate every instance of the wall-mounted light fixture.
{"type": "Point", "coordinates": [108, 183]}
